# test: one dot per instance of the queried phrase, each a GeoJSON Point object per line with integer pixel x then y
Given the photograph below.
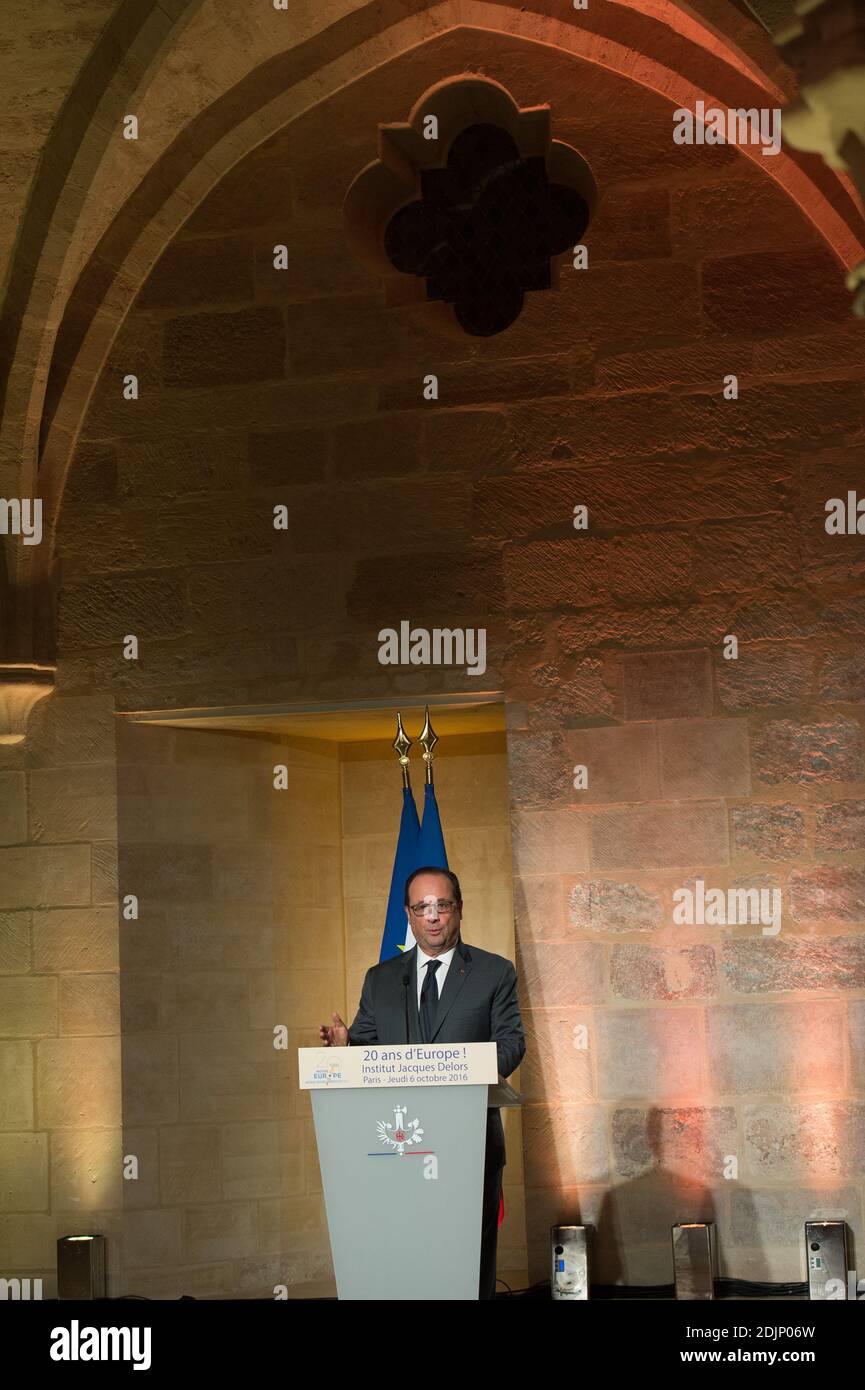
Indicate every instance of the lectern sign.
{"type": "Point", "coordinates": [400, 1064]}
{"type": "Point", "coordinates": [401, 1133]}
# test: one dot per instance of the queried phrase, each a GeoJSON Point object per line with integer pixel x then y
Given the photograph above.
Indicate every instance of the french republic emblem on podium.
{"type": "Point", "coordinates": [400, 1135]}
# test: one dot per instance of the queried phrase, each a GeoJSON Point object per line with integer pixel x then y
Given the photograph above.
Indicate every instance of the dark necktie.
{"type": "Point", "coordinates": [429, 1001]}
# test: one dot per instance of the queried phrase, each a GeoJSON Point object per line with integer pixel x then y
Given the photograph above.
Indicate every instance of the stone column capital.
{"type": "Point", "coordinates": [21, 687]}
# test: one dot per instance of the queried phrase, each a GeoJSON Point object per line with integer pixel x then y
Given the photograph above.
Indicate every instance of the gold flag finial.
{"type": "Point", "coordinates": [428, 741]}
{"type": "Point", "coordinates": [402, 743]}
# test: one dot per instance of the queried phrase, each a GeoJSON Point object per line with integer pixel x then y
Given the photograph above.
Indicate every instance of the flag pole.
{"type": "Point", "coordinates": [402, 743]}
{"type": "Point", "coordinates": [428, 740]}
{"type": "Point", "coordinates": [397, 936]}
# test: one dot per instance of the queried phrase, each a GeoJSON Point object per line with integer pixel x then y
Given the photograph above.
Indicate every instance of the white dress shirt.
{"type": "Point", "coordinates": [438, 975]}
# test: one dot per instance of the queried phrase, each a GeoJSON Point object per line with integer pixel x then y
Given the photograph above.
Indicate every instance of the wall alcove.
{"type": "Point", "coordinates": [259, 906]}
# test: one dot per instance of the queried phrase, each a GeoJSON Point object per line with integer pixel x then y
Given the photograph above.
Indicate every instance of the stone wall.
{"type": "Point", "coordinates": [261, 388]}
{"type": "Point", "coordinates": [239, 931]}
{"type": "Point", "coordinates": [60, 1080]}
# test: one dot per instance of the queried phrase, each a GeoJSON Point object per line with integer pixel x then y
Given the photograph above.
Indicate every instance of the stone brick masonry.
{"type": "Point", "coordinates": [657, 1050]}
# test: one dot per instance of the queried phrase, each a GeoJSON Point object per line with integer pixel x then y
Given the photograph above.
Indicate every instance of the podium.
{"type": "Point", "coordinates": [401, 1134]}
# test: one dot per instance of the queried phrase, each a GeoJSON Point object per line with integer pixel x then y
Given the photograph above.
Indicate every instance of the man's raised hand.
{"type": "Point", "coordinates": [335, 1035]}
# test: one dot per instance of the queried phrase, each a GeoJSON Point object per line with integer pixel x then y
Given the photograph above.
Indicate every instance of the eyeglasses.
{"type": "Point", "coordinates": [444, 907]}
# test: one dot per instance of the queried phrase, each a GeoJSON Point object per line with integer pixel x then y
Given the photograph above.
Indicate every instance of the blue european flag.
{"type": "Point", "coordinates": [405, 860]}
{"type": "Point", "coordinates": [431, 846]}
{"type": "Point", "coordinates": [417, 845]}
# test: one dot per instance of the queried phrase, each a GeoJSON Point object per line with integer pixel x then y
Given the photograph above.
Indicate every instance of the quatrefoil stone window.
{"type": "Point", "coordinates": [495, 203]}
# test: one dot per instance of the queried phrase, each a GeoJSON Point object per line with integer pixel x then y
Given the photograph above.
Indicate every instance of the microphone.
{"type": "Point", "coordinates": [405, 985]}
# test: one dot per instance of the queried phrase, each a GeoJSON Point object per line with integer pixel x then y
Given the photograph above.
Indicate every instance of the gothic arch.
{"type": "Point", "coordinates": [66, 331]}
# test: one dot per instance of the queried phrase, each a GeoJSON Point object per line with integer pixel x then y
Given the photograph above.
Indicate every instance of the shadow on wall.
{"type": "Point", "coordinates": [635, 1218]}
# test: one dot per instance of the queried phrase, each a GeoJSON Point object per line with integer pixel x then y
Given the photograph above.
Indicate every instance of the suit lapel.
{"type": "Point", "coordinates": [458, 972]}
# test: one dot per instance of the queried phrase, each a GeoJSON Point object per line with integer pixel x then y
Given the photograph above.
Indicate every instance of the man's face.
{"type": "Point", "coordinates": [434, 932]}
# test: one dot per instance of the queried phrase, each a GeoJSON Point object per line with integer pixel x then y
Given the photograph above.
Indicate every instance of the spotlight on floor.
{"type": "Point", "coordinates": [826, 1247]}
{"type": "Point", "coordinates": [570, 1261]}
{"type": "Point", "coordinates": [81, 1267]}
{"type": "Point", "coordinates": [694, 1257]}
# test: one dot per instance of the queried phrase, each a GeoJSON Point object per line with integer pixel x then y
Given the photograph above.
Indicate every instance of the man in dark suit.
{"type": "Point", "coordinates": [405, 999]}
